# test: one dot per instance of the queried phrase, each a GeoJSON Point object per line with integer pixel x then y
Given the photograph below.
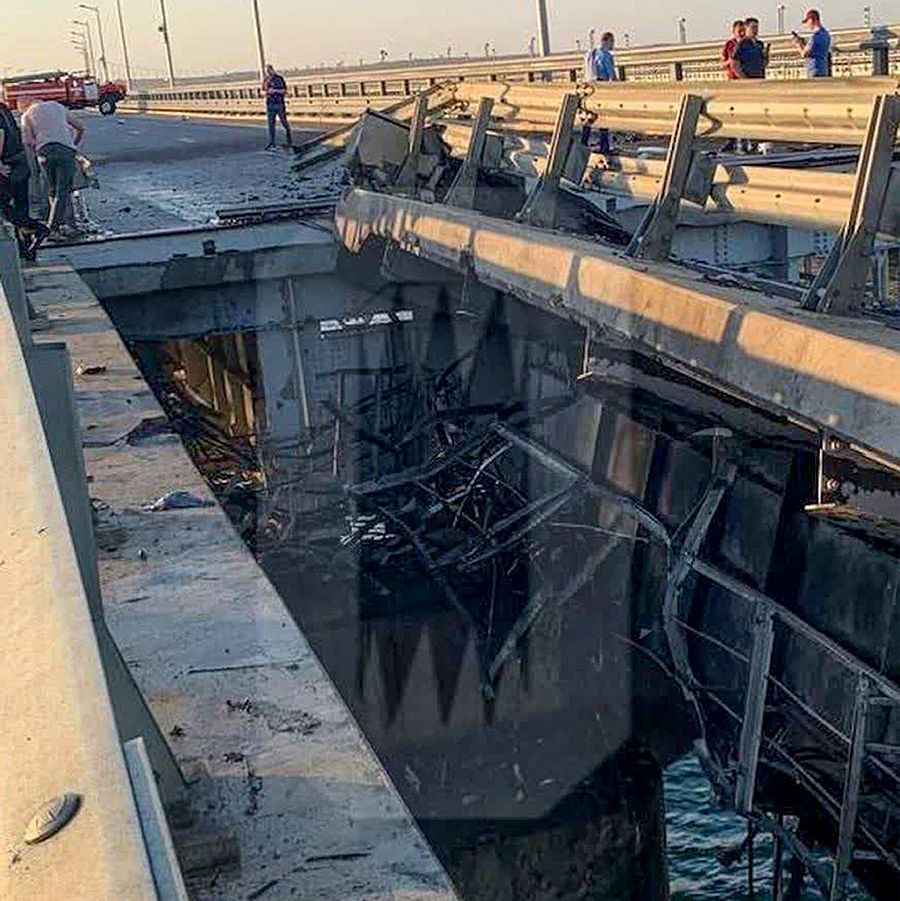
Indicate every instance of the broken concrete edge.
{"type": "Point", "coordinates": [59, 728]}
{"type": "Point", "coordinates": [837, 374]}
{"type": "Point", "coordinates": [174, 259]}
{"type": "Point", "coordinates": [255, 593]}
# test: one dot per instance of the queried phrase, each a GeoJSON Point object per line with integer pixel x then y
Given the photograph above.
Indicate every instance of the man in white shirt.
{"type": "Point", "coordinates": [54, 133]}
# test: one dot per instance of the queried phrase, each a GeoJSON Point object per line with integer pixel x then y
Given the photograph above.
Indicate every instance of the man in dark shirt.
{"type": "Point", "coordinates": [14, 177]}
{"type": "Point", "coordinates": [275, 89]}
{"type": "Point", "coordinates": [752, 54]}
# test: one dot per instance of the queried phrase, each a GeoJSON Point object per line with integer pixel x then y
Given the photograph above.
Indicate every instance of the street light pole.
{"type": "Point", "coordinates": [164, 31]}
{"type": "Point", "coordinates": [82, 46]}
{"type": "Point", "coordinates": [867, 16]}
{"type": "Point", "coordinates": [124, 46]}
{"type": "Point", "coordinates": [682, 30]}
{"type": "Point", "coordinates": [259, 41]}
{"type": "Point", "coordinates": [96, 11]}
{"type": "Point", "coordinates": [87, 35]}
{"type": "Point", "coordinates": [781, 11]}
{"type": "Point", "coordinates": [543, 28]}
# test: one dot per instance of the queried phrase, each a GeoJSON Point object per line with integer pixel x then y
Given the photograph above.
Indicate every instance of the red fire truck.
{"type": "Point", "coordinates": [73, 91]}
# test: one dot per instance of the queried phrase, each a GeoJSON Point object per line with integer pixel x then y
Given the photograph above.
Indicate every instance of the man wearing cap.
{"type": "Point", "coordinates": [816, 50]}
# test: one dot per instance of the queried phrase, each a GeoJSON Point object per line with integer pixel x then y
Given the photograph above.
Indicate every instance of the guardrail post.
{"type": "Point", "coordinates": [880, 48]}
{"type": "Point", "coordinates": [841, 282]}
{"type": "Point", "coordinates": [754, 710]}
{"type": "Point", "coordinates": [410, 169]}
{"type": "Point", "coordinates": [654, 236]}
{"type": "Point", "coordinates": [852, 784]}
{"type": "Point", "coordinates": [542, 207]}
{"type": "Point", "coordinates": [462, 192]}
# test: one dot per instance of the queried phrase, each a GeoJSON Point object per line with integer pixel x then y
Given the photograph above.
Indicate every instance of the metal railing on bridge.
{"type": "Point", "coordinates": [342, 94]}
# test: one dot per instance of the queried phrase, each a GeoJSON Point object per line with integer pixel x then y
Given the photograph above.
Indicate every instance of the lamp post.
{"type": "Point", "coordinates": [867, 16]}
{"type": "Point", "coordinates": [259, 41]}
{"type": "Point", "coordinates": [124, 45]}
{"type": "Point", "coordinates": [781, 10]}
{"type": "Point", "coordinates": [96, 11]}
{"type": "Point", "coordinates": [164, 31]}
{"type": "Point", "coordinates": [682, 30]}
{"type": "Point", "coordinates": [82, 46]}
{"type": "Point", "coordinates": [543, 28]}
{"type": "Point", "coordinates": [86, 34]}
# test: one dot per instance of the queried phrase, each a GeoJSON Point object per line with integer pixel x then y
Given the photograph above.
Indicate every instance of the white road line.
{"type": "Point", "coordinates": [187, 140]}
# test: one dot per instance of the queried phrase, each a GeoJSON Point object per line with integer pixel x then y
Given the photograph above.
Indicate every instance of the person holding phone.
{"type": "Point", "coordinates": [816, 50]}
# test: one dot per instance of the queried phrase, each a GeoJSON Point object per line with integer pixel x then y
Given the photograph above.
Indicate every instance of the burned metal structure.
{"type": "Point", "coordinates": [795, 719]}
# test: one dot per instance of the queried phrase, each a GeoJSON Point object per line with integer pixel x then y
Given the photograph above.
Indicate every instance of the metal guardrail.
{"type": "Point", "coordinates": [344, 93]}
{"type": "Point", "coordinates": [766, 189]}
{"type": "Point", "coordinates": [69, 822]}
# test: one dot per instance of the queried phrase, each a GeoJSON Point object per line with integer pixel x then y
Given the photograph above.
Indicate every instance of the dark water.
{"type": "Point", "coordinates": [422, 491]}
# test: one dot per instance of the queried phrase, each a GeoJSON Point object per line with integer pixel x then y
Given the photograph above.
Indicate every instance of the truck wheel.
{"type": "Point", "coordinates": [107, 106]}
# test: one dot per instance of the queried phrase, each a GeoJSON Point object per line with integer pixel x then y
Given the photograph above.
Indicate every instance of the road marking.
{"type": "Point", "coordinates": [187, 140]}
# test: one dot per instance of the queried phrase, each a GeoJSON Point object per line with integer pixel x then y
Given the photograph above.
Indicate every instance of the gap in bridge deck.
{"type": "Point", "coordinates": [444, 497]}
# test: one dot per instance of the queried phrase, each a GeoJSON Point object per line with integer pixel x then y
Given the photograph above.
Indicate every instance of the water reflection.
{"type": "Point", "coordinates": [472, 513]}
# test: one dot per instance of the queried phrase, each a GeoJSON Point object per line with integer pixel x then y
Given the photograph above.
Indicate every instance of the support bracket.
{"type": "Point", "coordinates": [841, 282]}
{"type": "Point", "coordinates": [754, 709]}
{"type": "Point", "coordinates": [852, 785]}
{"type": "Point", "coordinates": [462, 191]}
{"type": "Point", "coordinates": [654, 236]}
{"type": "Point", "coordinates": [406, 180]}
{"type": "Point", "coordinates": [542, 207]}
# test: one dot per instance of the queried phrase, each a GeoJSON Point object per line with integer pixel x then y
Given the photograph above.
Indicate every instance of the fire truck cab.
{"type": "Point", "coordinates": [72, 91]}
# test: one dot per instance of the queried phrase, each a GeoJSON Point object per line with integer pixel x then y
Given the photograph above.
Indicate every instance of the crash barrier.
{"type": "Point", "coordinates": [342, 94]}
{"type": "Point", "coordinates": [540, 130]}
{"type": "Point", "coordinates": [81, 815]}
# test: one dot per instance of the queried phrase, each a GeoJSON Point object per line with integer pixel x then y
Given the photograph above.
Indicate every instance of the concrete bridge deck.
{"type": "Point", "coordinates": [281, 781]}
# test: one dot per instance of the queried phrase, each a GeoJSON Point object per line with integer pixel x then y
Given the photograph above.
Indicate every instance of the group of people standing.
{"type": "Point", "coordinates": [745, 56]}
{"type": "Point", "coordinates": [52, 134]}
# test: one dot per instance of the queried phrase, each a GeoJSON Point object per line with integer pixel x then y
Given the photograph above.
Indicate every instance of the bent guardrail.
{"type": "Point", "coordinates": [70, 825]}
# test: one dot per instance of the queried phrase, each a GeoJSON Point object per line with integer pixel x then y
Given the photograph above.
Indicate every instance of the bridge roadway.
{"type": "Point", "coordinates": [164, 172]}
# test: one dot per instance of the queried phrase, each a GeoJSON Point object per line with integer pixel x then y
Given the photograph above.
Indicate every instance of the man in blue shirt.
{"type": "Point", "coordinates": [600, 65]}
{"type": "Point", "coordinates": [275, 89]}
{"type": "Point", "coordinates": [817, 49]}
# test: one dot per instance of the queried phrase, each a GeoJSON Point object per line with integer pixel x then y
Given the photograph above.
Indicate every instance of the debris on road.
{"type": "Point", "coordinates": [178, 500]}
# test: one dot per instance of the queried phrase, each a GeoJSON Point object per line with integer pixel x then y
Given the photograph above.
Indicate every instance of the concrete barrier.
{"type": "Point", "coordinates": [69, 823]}
{"type": "Point", "coordinates": [834, 374]}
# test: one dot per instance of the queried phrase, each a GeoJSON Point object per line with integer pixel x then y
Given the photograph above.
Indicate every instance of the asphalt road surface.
{"type": "Point", "coordinates": [165, 171]}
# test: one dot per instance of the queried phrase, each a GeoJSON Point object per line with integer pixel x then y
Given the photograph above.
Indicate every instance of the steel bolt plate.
{"type": "Point", "coordinates": [51, 817]}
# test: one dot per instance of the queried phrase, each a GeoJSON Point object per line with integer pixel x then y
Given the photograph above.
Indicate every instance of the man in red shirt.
{"type": "Point", "coordinates": [729, 52]}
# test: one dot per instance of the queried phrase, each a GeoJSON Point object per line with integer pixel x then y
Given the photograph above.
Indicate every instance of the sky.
{"type": "Point", "coordinates": [210, 36]}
